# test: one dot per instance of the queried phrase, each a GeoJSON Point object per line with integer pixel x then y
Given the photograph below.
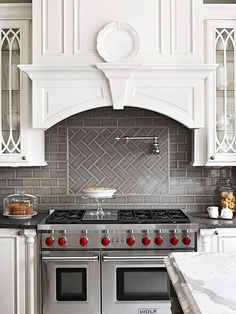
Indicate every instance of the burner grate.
{"type": "Point", "coordinates": [129, 216]}
{"type": "Point", "coordinates": [170, 216]}
{"type": "Point", "coordinates": [65, 217]}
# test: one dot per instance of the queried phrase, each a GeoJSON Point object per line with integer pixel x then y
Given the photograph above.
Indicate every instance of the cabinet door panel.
{"type": "Point", "coordinates": [12, 273]}
{"type": "Point", "coordinates": [227, 240]}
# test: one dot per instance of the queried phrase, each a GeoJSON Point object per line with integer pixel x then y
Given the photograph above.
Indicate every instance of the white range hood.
{"type": "Point", "coordinates": [177, 91]}
{"type": "Point", "coordinates": [155, 59]}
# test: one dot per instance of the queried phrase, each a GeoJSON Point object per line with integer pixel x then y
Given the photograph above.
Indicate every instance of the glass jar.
{"type": "Point", "coordinates": [20, 204]}
{"type": "Point", "coordinates": [227, 197]}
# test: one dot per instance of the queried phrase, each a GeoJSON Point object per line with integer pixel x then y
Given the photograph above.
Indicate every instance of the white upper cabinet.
{"type": "Point", "coordinates": [218, 140]}
{"type": "Point", "coordinates": [221, 115]}
{"type": "Point", "coordinates": [20, 145]}
{"type": "Point", "coordinates": [169, 30]}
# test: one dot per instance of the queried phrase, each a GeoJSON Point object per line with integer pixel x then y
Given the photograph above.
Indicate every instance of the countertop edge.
{"type": "Point", "coordinates": [187, 302]}
{"type": "Point", "coordinates": [31, 223]}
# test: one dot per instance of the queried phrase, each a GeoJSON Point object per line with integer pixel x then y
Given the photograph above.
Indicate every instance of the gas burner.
{"type": "Point", "coordinates": [170, 216]}
{"type": "Point", "coordinates": [135, 216]}
{"type": "Point", "coordinates": [65, 217]}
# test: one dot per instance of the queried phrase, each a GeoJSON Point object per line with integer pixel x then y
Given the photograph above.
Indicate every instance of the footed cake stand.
{"type": "Point", "coordinates": [99, 213]}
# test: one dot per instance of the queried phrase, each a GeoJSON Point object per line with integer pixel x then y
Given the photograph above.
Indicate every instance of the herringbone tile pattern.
{"type": "Point", "coordinates": [97, 159]}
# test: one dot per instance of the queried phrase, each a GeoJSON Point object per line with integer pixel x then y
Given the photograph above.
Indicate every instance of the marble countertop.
{"type": "Point", "coordinates": [204, 222]}
{"type": "Point", "coordinates": [205, 283]}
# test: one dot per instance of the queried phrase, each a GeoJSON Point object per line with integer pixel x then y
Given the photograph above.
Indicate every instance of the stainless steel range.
{"type": "Point", "coordinates": [110, 264]}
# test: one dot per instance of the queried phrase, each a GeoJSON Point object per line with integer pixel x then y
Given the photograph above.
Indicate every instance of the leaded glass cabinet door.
{"type": "Point", "coordinates": [14, 50]}
{"type": "Point", "coordinates": [222, 137]}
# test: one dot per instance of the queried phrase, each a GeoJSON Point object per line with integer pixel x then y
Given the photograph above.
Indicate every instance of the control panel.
{"type": "Point", "coordinates": [154, 239]}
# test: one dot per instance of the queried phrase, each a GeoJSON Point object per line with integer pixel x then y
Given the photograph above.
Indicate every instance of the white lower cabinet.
{"type": "Point", "coordinates": [217, 240]}
{"type": "Point", "coordinates": [18, 271]}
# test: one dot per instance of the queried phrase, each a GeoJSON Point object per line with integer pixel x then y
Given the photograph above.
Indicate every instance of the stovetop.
{"type": "Point", "coordinates": [122, 216]}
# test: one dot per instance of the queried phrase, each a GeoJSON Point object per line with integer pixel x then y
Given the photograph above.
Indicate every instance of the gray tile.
{"type": "Point", "coordinates": [185, 199]}
{"type": "Point", "coordinates": [15, 182]}
{"type": "Point", "coordinates": [69, 199]}
{"type": "Point", "coordinates": [41, 173]}
{"type": "Point", "coordinates": [24, 173]}
{"type": "Point", "coordinates": [135, 199]}
{"type": "Point", "coordinates": [178, 173]}
{"type": "Point", "coordinates": [167, 199]}
{"type": "Point", "coordinates": [74, 121]}
{"type": "Point", "coordinates": [3, 183]}
{"type": "Point", "coordinates": [31, 182]}
{"type": "Point", "coordinates": [51, 147]}
{"type": "Point", "coordinates": [204, 199]}
{"type": "Point", "coordinates": [149, 199]}
{"type": "Point", "coordinates": [7, 191]}
{"type": "Point", "coordinates": [109, 122]}
{"type": "Point", "coordinates": [126, 122]}
{"type": "Point", "coordinates": [58, 191]}
{"type": "Point", "coordinates": [57, 156]}
{"type": "Point", "coordinates": [49, 182]}
{"type": "Point", "coordinates": [194, 173]}
{"type": "Point", "coordinates": [58, 174]}
{"type": "Point", "coordinates": [144, 122]}
{"type": "Point", "coordinates": [7, 174]}
{"type": "Point", "coordinates": [52, 164]}
{"type": "Point", "coordinates": [92, 122]}
{"type": "Point", "coordinates": [51, 200]}
{"type": "Point", "coordinates": [41, 191]}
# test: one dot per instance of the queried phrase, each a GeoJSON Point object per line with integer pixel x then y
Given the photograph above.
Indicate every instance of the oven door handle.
{"type": "Point", "coordinates": [70, 258]}
{"type": "Point", "coordinates": [107, 258]}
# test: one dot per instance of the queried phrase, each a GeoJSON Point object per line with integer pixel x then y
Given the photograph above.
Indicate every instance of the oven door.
{"type": "Point", "coordinates": [134, 283]}
{"type": "Point", "coordinates": [70, 282]}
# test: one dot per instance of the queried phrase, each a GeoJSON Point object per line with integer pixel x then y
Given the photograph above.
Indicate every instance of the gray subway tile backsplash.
{"type": "Point", "coordinates": [81, 151]}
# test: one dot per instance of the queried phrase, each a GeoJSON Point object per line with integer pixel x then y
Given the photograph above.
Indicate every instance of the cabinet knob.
{"type": "Point", "coordinates": [212, 157]}
{"type": "Point", "coordinates": [216, 232]}
{"type": "Point", "coordinates": [23, 157]}
{"type": "Point", "coordinates": [19, 233]}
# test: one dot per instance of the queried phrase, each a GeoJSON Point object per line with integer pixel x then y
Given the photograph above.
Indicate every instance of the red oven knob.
{"type": "Point", "coordinates": [186, 240]}
{"type": "Point", "coordinates": [83, 241]}
{"type": "Point", "coordinates": [159, 240]}
{"type": "Point", "coordinates": [130, 241]}
{"type": "Point", "coordinates": [174, 240]}
{"type": "Point", "coordinates": [105, 241]}
{"type": "Point", "coordinates": [146, 241]}
{"type": "Point", "coordinates": [49, 241]}
{"type": "Point", "coordinates": [62, 241]}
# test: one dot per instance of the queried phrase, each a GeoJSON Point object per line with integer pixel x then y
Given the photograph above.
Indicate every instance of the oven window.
{"type": "Point", "coordinates": [71, 284]}
{"type": "Point", "coordinates": [141, 284]}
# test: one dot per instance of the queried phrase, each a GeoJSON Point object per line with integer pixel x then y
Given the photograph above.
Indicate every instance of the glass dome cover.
{"type": "Point", "coordinates": [20, 204]}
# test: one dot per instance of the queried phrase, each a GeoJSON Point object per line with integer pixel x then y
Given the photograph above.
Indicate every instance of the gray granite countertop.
{"type": "Point", "coordinates": [31, 223]}
{"type": "Point", "coordinates": [204, 282]}
{"type": "Point", "coordinates": [202, 219]}
{"type": "Point", "coordinates": [204, 222]}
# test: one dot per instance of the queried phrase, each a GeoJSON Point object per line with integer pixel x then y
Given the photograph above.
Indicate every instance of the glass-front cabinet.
{"type": "Point", "coordinates": [10, 91]}
{"type": "Point", "coordinates": [221, 41]}
{"type": "Point", "coordinates": [20, 145]}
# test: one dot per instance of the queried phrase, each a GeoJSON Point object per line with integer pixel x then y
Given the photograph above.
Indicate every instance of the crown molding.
{"type": "Point", "coordinates": [16, 11]}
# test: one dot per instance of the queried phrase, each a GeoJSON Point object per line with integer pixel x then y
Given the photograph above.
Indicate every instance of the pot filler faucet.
{"type": "Point", "coordinates": [155, 145]}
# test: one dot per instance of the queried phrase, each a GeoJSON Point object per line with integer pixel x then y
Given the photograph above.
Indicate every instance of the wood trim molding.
{"type": "Point", "coordinates": [219, 11]}
{"type": "Point", "coordinates": [30, 270]}
{"type": "Point", "coordinates": [16, 11]}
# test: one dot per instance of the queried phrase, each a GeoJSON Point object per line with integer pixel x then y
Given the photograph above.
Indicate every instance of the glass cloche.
{"type": "Point", "coordinates": [20, 204]}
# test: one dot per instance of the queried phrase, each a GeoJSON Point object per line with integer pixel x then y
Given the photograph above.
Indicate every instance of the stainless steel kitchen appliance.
{"type": "Point", "coordinates": [114, 264]}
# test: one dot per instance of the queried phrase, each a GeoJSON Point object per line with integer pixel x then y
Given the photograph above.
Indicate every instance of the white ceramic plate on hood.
{"type": "Point", "coordinates": [118, 42]}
